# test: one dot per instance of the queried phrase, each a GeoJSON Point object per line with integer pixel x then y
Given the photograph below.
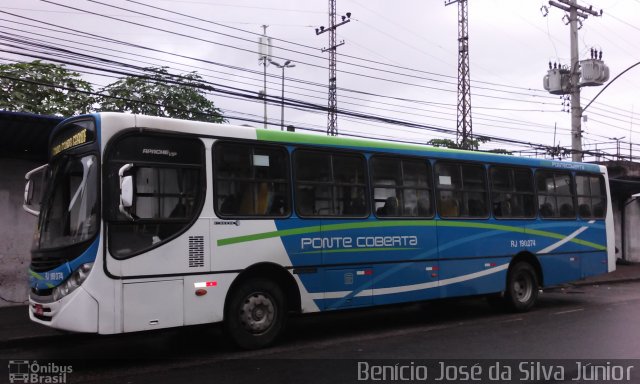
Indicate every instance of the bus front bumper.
{"type": "Point", "coordinates": [77, 312]}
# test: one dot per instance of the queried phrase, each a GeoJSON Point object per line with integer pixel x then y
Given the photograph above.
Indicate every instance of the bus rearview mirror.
{"type": "Point", "coordinates": [33, 189]}
{"type": "Point", "coordinates": [126, 191]}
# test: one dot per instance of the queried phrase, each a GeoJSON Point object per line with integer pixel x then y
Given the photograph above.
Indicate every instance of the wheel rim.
{"type": "Point", "coordinates": [258, 312]}
{"type": "Point", "coordinates": [523, 287]}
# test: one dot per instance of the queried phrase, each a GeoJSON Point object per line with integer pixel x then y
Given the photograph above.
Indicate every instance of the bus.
{"type": "Point", "coordinates": [148, 223]}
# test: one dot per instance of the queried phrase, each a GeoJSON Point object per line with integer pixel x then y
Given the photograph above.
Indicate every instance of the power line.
{"type": "Point", "coordinates": [496, 126]}
{"type": "Point", "coordinates": [368, 93]}
{"type": "Point", "coordinates": [414, 100]}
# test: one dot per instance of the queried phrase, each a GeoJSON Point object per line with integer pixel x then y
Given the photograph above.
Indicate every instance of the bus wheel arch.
{"type": "Point", "coordinates": [530, 258]}
{"type": "Point", "coordinates": [256, 306]}
{"type": "Point", "coordinates": [524, 278]}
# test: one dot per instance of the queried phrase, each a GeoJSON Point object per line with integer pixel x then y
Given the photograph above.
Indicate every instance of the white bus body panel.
{"type": "Point", "coordinates": [208, 308]}
{"type": "Point", "coordinates": [171, 257]}
{"type": "Point", "coordinates": [610, 228]}
{"type": "Point", "coordinates": [76, 312]}
{"type": "Point", "coordinates": [152, 305]}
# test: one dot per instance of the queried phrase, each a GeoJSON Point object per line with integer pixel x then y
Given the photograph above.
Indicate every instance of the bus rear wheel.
{"type": "Point", "coordinates": [522, 287]}
{"type": "Point", "coordinates": [256, 314]}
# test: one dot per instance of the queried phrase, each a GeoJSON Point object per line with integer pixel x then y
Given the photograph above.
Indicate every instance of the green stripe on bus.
{"type": "Point", "coordinates": [37, 276]}
{"type": "Point", "coordinates": [267, 235]}
{"type": "Point", "coordinates": [403, 223]}
{"type": "Point", "coordinates": [302, 138]}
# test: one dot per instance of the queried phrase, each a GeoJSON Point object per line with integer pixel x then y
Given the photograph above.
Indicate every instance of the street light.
{"type": "Point", "coordinates": [287, 64]}
{"type": "Point", "coordinates": [617, 139]}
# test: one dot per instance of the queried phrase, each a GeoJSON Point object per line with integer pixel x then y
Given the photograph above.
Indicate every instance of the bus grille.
{"type": "Point", "coordinates": [196, 251]}
{"type": "Point", "coordinates": [45, 263]}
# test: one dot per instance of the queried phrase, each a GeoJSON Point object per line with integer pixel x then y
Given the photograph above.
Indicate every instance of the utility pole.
{"type": "Point", "coordinates": [630, 136]}
{"type": "Point", "coordinates": [332, 118]}
{"type": "Point", "coordinates": [575, 12]}
{"type": "Point", "coordinates": [464, 131]}
{"type": "Point", "coordinates": [264, 52]}
{"type": "Point", "coordinates": [576, 109]}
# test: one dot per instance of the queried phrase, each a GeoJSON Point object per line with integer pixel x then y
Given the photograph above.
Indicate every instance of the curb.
{"type": "Point", "coordinates": [609, 281]}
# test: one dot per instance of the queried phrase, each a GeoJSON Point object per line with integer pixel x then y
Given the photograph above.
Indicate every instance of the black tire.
{"type": "Point", "coordinates": [522, 287]}
{"type": "Point", "coordinates": [255, 314]}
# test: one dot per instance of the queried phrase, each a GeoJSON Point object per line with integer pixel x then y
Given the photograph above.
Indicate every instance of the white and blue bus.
{"type": "Point", "coordinates": [149, 223]}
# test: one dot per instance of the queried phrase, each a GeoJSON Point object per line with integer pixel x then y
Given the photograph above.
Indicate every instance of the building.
{"type": "Point", "coordinates": [624, 180]}
{"type": "Point", "coordinates": [23, 146]}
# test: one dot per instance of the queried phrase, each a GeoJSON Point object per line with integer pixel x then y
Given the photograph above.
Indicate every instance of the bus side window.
{"type": "Point", "coordinates": [329, 184]}
{"type": "Point", "coordinates": [461, 190]}
{"type": "Point", "coordinates": [250, 180]}
{"type": "Point", "coordinates": [555, 194]}
{"type": "Point", "coordinates": [401, 187]}
{"type": "Point", "coordinates": [512, 192]}
{"type": "Point", "coordinates": [590, 191]}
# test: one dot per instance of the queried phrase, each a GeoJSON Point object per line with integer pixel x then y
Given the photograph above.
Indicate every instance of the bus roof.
{"type": "Point", "coordinates": [341, 142]}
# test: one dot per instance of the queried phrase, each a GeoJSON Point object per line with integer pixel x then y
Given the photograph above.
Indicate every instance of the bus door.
{"type": "Point", "coordinates": [154, 194]}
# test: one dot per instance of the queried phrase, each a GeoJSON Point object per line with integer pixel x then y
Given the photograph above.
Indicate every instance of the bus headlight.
{"type": "Point", "coordinates": [74, 281]}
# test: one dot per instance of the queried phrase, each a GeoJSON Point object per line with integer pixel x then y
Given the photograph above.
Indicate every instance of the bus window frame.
{"type": "Point", "coordinates": [533, 193]}
{"type": "Point", "coordinates": [572, 185]}
{"type": "Point", "coordinates": [430, 186]}
{"type": "Point", "coordinates": [288, 178]}
{"type": "Point", "coordinates": [603, 196]}
{"type": "Point", "coordinates": [331, 152]}
{"type": "Point", "coordinates": [114, 199]}
{"type": "Point", "coordinates": [487, 191]}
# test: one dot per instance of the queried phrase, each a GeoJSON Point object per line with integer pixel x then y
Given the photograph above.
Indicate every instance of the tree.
{"type": "Point", "coordinates": [474, 145]}
{"type": "Point", "coordinates": [43, 88]}
{"type": "Point", "coordinates": [501, 151]}
{"type": "Point", "coordinates": [446, 143]}
{"type": "Point", "coordinates": [161, 94]}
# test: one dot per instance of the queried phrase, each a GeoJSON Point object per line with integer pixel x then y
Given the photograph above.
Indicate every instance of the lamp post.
{"type": "Point", "coordinates": [287, 64]}
{"type": "Point", "coordinates": [617, 139]}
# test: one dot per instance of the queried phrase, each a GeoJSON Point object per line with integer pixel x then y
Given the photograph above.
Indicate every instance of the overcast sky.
{"type": "Point", "coordinates": [399, 59]}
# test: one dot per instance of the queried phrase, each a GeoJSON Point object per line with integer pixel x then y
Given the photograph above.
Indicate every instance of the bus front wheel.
{"type": "Point", "coordinates": [522, 287]}
{"type": "Point", "coordinates": [256, 313]}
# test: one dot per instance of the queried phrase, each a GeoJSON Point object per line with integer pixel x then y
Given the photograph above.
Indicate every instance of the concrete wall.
{"type": "Point", "coordinates": [617, 224]}
{"type": "Point", "coordinates": [632, 235]}
{"type": "Point", "coordinates": [627, 171]}
{"type": "Point", "coordinates": [16, 232]}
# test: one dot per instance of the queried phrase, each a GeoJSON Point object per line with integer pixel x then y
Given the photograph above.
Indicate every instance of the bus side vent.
{"type": "Point", "coordinates": [196, 251]}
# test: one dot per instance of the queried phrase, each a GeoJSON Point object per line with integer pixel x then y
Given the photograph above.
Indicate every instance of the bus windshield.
{"type": "Point", "coordinates": [69, 212]}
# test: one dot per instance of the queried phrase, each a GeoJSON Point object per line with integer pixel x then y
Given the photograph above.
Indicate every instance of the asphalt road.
{"type": "Point", "coordinates": [574, 324]}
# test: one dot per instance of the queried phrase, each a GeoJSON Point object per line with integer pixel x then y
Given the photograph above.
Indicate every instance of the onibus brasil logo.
{"type": "Point", "coordinates": [25, 371]}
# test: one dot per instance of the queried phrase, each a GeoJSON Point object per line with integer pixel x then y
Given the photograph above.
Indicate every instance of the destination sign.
{"type": "Point", "coordinates": [78, 134]}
